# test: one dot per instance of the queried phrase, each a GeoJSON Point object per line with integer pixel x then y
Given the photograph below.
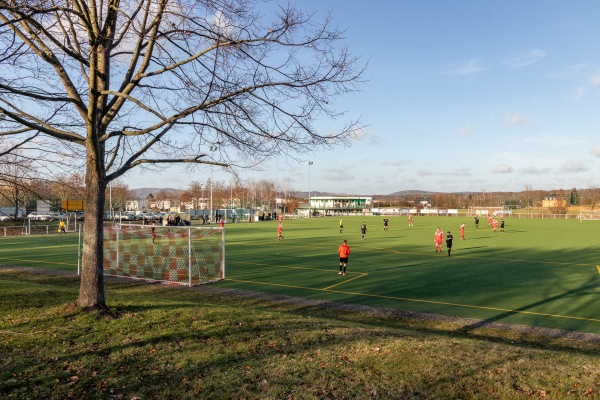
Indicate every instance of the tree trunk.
{"type": "Point", "coordinates": [91, 291]}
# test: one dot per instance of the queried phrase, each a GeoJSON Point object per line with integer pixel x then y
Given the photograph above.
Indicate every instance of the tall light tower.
{"type": "Point", "coordinates": [212, 170]}
{"type": "Point", "coordinates": [202, 199]}
{"type": "Point", "coordinates": [309, 211]}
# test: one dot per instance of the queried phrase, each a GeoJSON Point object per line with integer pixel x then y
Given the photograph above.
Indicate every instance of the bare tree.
{"type": "Point", "coordinates": [15, 175]}
{"type": "Point", "coordinates": [119, 193]}
{"type": "Point", "coordinates": [192, 195]}
{"type": "Point", "coordinates": [591, 196]}
{"type": "Point", "coordinates": [67, 187]}
{"type": "Point", "coordinates": [123, 84]}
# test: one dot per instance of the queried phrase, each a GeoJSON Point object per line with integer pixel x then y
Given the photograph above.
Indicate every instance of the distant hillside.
{"type": "Point", "coordinates": [141, 193]}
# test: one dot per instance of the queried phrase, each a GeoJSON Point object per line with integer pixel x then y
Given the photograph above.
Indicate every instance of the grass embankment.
{"type": "Point", "coordinates": [169, 343]}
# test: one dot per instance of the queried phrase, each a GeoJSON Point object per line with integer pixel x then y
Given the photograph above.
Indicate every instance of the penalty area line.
{"type": "Point", "coordinates": [362, 275]}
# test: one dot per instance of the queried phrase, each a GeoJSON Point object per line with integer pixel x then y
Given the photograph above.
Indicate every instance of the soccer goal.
{"type": "Point", "coordinates": [185, 255]}
{"type": "Point", "coordinates": [589, 215]}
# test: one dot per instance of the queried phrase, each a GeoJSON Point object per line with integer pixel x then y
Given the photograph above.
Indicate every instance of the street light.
{"type": "Point", "coordinates": [212, 171]}
{"type": "Point", "coordinates": [309, 164]}
{"type": "Point", "coordinates": [202, 199]}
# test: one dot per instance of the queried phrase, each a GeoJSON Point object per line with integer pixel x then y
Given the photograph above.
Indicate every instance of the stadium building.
{"type": "Point", "coordinates": [326, 205]}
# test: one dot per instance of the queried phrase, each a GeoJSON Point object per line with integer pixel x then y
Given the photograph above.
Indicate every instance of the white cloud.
{"type": "Point", "coordinates": [570, 72]}
{"type": "Point", "coordinates": [595, 80]}
{"type": "Point", "coordinates": [596, 152]}
{"type": "Point", "coordinates": [534, 170]}
{"type": "Point", "coordinates": [580, 93]}
{"type": "Point", "coordinates": [336, 175]}
{"type": "Point", "coordinates": [461, 172]}
{"type": "Point", "coordinates": [423, 173]}
{"type": "Point", "coordinates": [369, 137]}
{"type": "Point", "coordinates": [515, 119]}
{"type": "Point", "coordinates": [468, 67]}
{"type": "Point", "coordinates": [525, 59]}
{"type": "Point", "coordinates": [574, 166]}
{"type": "Point", "coordinates": [360, 134]}
{"type": "Point", "coordinates": [502, 169]}
{"type": "Point", "coordinates": [399, 163]}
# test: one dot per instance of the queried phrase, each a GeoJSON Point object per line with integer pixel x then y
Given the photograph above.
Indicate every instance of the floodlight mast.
{"type": "Point", "coordinates": [212, 172]}
{"type": "Point", "coordinates": [309, 205]}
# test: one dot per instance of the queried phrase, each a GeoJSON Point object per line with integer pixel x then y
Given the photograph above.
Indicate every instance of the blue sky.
{"type": "Point", "coordinates": [461, 96]}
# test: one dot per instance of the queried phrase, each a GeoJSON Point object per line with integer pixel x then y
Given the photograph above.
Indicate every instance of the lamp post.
{"type": "Point", "coordinates": [202, 198]}
{"type": "Point", "coordinates": [309, 211]}
{"type": "Point", "coordinates": [212, 171]}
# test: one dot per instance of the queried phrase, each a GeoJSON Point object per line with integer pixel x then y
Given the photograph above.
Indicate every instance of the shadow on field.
{"type": "Point", "coordinates": [585, 289]}
{"type": "Point", "coordinates": [397, 267]}
{"type": "Point", "coordinates": [490, 330]}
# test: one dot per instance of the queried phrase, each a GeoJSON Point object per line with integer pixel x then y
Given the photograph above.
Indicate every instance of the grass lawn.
{"type": "Point", "coordinates": [163, 342]}
{"type": "Point", "coordinates": [540, 272]}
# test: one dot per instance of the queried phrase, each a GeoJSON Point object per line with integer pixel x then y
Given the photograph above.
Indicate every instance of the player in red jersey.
{"type": "Point", "coordinates": [344, 252]}
{"type": "Point", "coordinates": [438, 238]}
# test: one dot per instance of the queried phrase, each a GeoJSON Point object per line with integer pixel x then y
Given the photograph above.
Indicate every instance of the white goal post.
{"type": "Point", "coordinates": [184, 255]}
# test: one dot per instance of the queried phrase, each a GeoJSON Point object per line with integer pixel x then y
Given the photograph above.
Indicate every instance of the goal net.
{"type": "Point", "coordinates": [185, 255]}
{"type": "Point", "coordinates": [589, 215]}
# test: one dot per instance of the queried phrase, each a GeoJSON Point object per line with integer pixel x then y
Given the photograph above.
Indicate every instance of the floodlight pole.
{"type": "Point", "coordinates": [202, 200]}
{"type": "Point", "coordinates": [212, 172]}
{"type": "Point", "coordinates": [309, 211]}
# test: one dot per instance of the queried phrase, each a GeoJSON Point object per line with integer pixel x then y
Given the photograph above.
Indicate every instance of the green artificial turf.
{"type": "Point", "coordinates": [540, 272]}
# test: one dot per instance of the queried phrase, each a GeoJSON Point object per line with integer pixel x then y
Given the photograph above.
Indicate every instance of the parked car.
{"type": "Point", "coordinates": [46, 217]}
{"type": "Point", "coordinates": [4, 218]}
{"type": "Point", "coordinates": [127, 217]}
{"type": "Point", "coordinates": [40, 217]}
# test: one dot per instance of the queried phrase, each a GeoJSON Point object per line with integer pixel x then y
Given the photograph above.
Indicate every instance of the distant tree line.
{"type": "Point", "coordinates": [21, 186]}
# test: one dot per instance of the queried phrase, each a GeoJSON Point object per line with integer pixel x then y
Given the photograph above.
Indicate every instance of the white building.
{"type": "Point", "coordinates": [342, 205]}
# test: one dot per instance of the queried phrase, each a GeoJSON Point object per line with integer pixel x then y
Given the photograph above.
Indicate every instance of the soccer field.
{"type": "Point", "coordinates": [539, 272]}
